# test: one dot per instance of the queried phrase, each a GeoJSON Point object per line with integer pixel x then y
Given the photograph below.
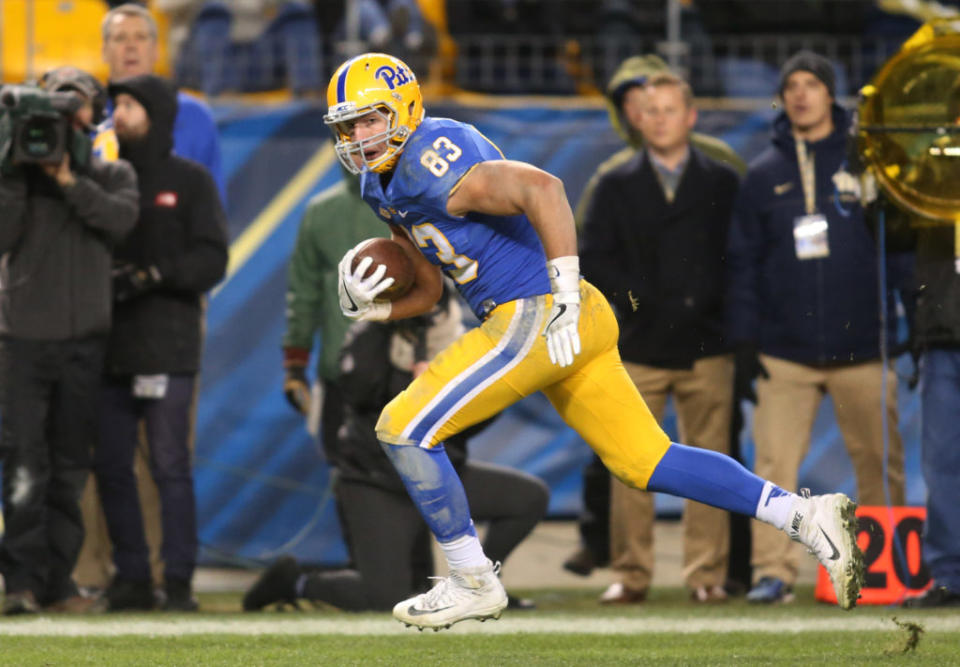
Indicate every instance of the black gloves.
{"type": "Point", "coordinates": [296, 388]}
{"type": "Point", "coordinates": [747, 367]}
{"type": "Point", "coordinates": [130, 280]}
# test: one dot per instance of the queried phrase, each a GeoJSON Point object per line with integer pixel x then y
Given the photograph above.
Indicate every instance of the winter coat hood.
{"type": "Point", "coordinates": [159, 97]}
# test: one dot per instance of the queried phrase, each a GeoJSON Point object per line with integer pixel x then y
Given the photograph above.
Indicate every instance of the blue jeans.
{"type": "Point", "coordinates": [167, 424]}
{"type": "Point", "coordinates": [940, 451]}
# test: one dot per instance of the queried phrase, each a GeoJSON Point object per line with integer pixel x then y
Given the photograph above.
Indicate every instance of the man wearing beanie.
{"type": "Point", "coordinates": [804, 308]}
{"type": "Point", "coordinates": [176, 252]}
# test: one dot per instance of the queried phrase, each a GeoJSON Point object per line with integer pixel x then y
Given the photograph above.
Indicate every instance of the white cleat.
{"type": "Point", "coordinates": [469, 593]}
{"type": "Point", "coordinates": [827, 526]}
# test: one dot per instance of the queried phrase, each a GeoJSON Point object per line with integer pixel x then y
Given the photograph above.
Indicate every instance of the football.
{"type": "Point", "coordinates": [392, 255]}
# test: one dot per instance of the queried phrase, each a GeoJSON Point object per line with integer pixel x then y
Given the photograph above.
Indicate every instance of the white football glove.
{"type": "Point", "coordinates": [561, 332]}
{"type": "Point", "coordinates": [358, 294]}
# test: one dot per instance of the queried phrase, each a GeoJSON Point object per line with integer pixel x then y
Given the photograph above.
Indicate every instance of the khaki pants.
{"type": "Point", "coordinates": [703, 397]}
{"type": "Point", "coordinates": [787, 405]}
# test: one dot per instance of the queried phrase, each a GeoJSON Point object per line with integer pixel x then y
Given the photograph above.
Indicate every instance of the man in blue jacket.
{"type": "Point", "coordinates": [804, 311]}
{"type": "Point", "coordinates": [129, 35]}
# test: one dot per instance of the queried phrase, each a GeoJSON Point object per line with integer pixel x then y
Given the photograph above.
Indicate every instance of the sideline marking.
{"type": "Point", "coordinates": [279, 208]}
{"type": "Point", "coordinates": [99, 627]}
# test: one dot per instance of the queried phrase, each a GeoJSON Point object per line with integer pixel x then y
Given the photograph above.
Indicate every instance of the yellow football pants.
{"type": "Point", "coordinates": [496, 364]}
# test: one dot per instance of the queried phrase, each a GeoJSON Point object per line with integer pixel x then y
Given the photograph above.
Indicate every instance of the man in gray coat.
{"type": "Point", "coordinates": [60, 222]}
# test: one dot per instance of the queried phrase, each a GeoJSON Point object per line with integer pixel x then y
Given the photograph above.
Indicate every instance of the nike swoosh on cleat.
{"type": "Point", "coordinates": [413, 611]}
{"type": "Point", "coordinates": [836, 553]}
{"type": "Point", "coordinates": [563, 309]}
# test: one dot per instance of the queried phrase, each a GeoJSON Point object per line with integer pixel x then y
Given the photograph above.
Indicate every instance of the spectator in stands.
{"type": "Point", "coordinates": [273, 44]}
{"type": "Point", "coordinates": [388, 540]}
{"type": "Point", "coordinates": [804, 312]}
{"type": "Point", "coordinates": [380, 24]}
{"type": "Point", "coordinates": [653, 239]}
{"type": "Point", "coordinates": [625, 98]}
{"type": "Point", "coordinates": [261, 45]}
{"type": "Point", "coordinates": [129, 35]}
{"type": "Point", "coordinates": [177, 251]}
{"type": "Point", "coordinates": [60, 222]}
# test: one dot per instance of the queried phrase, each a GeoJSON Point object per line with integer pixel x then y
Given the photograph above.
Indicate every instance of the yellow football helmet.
{"type": "Point", "coordinates": [373, 83]}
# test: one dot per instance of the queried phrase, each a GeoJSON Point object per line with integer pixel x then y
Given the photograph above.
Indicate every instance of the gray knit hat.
{"type": "Point", "coordinates": [808, 61]}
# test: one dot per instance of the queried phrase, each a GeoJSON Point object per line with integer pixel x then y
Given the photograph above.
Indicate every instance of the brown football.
{"type": "Point", "coordinates": [399, 266]}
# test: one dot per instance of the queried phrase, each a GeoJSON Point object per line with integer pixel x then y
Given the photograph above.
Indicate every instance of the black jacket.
{"type": "Point", "coordinates": [814, 311]}
{"type": "Point", "coordinates": [662, 264]}
{"type": "Point", "coordinates": [181, 232]}
{"type": "Point", "coordinates": [56, 244]}
{"type": "Point", "coordinates": [937, 322]}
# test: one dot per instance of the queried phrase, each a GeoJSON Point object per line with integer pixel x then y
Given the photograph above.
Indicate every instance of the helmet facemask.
{"type": "Point", "coordinates": [341, 118]}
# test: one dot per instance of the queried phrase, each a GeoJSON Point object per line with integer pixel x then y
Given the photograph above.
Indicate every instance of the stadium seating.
{"type": "Point", "coordinates": [38, 35]}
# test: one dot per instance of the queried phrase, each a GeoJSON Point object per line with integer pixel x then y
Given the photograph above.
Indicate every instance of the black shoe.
{"type": "Point", "coordinates": [278, 583]}
{"type": "Point", "coordinates": [938, 596]}
{"type": "Point", "coordinates": [520, 604]}
{"type": "Point", "coordinates": [179, 596]}
{"type": "Point", "coordinates": [580, 563]}
{"type": "Point", "coordinates": [123, 595]}
{"type": "Point", "coordinates": [22, 602]}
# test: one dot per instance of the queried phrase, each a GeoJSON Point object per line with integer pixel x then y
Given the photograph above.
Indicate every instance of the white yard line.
{"type": "Point", "coordinates": [345, 625]}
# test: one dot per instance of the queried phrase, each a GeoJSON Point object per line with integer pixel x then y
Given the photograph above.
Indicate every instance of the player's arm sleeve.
{"type": "Point", "coordinates": [744, 263]}
{"type": "Point", "coordinates": [308, 265]}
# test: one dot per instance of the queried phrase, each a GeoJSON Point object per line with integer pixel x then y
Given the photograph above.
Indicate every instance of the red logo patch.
{"type": "Point", "coordinates": [166, 198]}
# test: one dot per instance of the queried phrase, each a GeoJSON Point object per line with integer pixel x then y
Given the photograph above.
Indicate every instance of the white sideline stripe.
{"type": "Point", "coordinates": [98, 627]}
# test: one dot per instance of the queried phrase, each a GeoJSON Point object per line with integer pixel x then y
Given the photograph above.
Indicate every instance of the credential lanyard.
{"type": "Point", "coordinates": [807, 177]}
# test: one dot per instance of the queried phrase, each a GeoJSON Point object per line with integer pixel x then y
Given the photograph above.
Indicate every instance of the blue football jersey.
{"type": "Point", "coordinates": [492, 259]}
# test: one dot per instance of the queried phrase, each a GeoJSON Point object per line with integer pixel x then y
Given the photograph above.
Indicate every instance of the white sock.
{"type": "Point", "coordinates": [775, 505]}
{"type": "Point", "coordinates": [464, 552]}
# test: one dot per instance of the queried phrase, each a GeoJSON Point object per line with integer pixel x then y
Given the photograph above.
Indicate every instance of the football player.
{"type": "Point", "coordinates": [504, 232]}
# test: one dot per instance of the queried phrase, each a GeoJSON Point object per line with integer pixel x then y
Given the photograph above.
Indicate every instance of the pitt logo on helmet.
{"type": "Point", "coordinates": [389, 75]}
{"type": "Point", "coordinates": [373, 83]}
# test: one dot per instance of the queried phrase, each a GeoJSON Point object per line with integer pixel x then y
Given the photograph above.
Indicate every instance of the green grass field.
{"type": "Point", "coordinates": [569, 628]}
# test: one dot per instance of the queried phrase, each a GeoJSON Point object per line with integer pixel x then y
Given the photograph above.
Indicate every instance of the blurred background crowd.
{"type": "Point", "coordinates": [724, 47]}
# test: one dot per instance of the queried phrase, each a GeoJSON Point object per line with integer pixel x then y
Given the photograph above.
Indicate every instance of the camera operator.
{"type": "Point", "coordinates": [177, 251]}
{"type": "Point", "coordinates": [59, 224]}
